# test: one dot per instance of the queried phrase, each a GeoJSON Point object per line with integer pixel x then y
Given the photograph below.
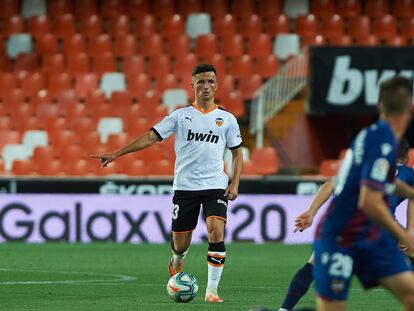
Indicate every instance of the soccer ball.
{"type": "Point", "coordinates": [182, 287]}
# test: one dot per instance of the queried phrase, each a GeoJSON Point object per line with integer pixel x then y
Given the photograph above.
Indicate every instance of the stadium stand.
{"type": "Point", "coordinates": [64, 65]}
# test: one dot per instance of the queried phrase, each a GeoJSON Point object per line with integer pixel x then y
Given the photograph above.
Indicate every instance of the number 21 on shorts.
{"type": "Point", "coordinates": [176, 208]}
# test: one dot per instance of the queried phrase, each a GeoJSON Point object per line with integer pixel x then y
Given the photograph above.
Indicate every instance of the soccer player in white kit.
{"type": "Point", "coordinates": [203, 131]}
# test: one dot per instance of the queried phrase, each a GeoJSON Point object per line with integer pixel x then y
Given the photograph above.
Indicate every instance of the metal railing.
{"type": "Point", "coordinates": [275, 93]}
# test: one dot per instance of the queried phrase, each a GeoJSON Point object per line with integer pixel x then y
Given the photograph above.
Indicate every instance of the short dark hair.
{"type": "Point", "coordinates": [203, 68]}
{"type": "Point", "coordinates": [395, 95]}
{"type": "Point", "coordinates": [403, 149]}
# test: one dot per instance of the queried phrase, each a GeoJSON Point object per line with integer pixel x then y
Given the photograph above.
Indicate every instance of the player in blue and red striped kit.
{"type": "Point", "coordinates": [357, 234]}
{"type": "Point", "coordinates": [304, 276]}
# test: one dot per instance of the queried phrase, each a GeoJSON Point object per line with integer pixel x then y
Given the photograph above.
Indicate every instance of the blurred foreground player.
{"type": "Point", "coordinates": [203, 131]}
{"type": "Point", "coordinates": [304, 276]}
{"type": "Point", "coordinates": [357, 234]}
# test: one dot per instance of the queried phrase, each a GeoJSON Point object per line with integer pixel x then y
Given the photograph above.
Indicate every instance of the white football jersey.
{"type": "Point", "coordinates": [201, 138]}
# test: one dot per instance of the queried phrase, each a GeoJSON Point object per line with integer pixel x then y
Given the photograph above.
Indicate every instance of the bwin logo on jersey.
{"type": "Point", "coordinates": [209, 138]}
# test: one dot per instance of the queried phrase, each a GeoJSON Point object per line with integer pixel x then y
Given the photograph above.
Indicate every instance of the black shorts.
{"type": "Point", "coordinates": [187, 206]}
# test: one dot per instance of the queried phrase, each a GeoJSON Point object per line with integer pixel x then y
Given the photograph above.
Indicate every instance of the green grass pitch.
{"type": "Point", "coordinates": [133, 277]}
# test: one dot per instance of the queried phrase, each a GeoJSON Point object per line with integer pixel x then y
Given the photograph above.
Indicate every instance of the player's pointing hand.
{"type": "Point", "coordinates": [303, 221]}
{"type": "Point", "coordinates": [105, 158]}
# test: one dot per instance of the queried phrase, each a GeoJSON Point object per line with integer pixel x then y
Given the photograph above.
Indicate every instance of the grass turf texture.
{"type": "Point", "coordinates": [94, 277]}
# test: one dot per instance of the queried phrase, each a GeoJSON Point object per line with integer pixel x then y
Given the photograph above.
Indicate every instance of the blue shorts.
{"type": "Point", "coordinates": [335, 265]}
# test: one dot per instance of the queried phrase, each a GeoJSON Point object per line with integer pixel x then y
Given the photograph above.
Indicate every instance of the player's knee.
{"type": "Point", "coordinates": [408, 302]}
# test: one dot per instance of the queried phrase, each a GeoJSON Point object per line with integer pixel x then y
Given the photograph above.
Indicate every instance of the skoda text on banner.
{"type": "Point", "coordinates": [346, 80]}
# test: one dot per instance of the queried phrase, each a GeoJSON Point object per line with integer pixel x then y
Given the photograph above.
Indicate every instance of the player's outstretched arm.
{"type": "Point", "coordinates": [232, 190]}
{"type": "Point", "coordinates": [305, 220]}
{"type": "Point", "coordinates": [142, 142]}
{"type": "Point", "coordinates": [372, 204]}
{"type": "Point", "coordinates": [403, 189]}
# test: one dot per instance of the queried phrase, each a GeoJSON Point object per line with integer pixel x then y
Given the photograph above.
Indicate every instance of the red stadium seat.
{"type": "Point", "coordinates": [266, 160]}
{"type": "Point", "coordinates": [216, 8]}
{"type": "Point", "coordinates": [41, 97]}
{"type": "Point", "coordinates": [183, 66]}
{"type": "Point", "coordinates": [9, 137]}
{"type": "Point", "coordinates": [85, 84]}
{"type": "Point", "coordinates": [116, 141]}
{"type": "Point", "coordinates": [53, 168]}
{"type": "Point", "coordinates": [59, 82]}
{"type": "Point", "coordinates": [249, 168]}
{"type": "Point", "coordinates": [146, 26]}
{"type": "Point", "coordinates": [278, 24]}
{"type": "Point", "coordinates": [233, 102]}
{"type": "Point", "coordinates": [172, 25]}
{"type": "Point", "coordinates": [329, 167]}
{"type": "Point", "coordinates": [22, 110]}
{"type": "Point", "coordinates": [206, 45]}
{"type": "Point", "coordinates": [8, 81]}
{"type": "Point", "coordinates": [161, 168]}
{"type": "Point", "coordinates": [85, 8]}
{"type": "Point", "coordinates": [59, 7]}
{"type": "Point", "coordinates": [53, 63]}
{"type": "Point", "coordinates": [371, 40]}
{"type": "Point", "coordinates": [136, 167]}
{"type": "Point", "coordinates": [159, 66]}
{"type": "Point", "coordinates": [139, 84]}
{"type": "Point", "coordinates": [267, 66]}
{"type": "Point", "coordinates": [133, 66]}
{"type": "Point", "coordinates": [178, 46]}
{"type": "Point", "coordinates": [68, 98]}
{"type": "Point", "coordinates": [306, 26]}
{"type": "Point", "coordinates": [23, 167]}
{"type": "Point", "coordinates": [260, 45]}
{"type": "Point", "coordinates": [78, 64]}
{"type": "Point", "coordinates": [225, 25]}
{"type": "Point", "coordinates": [243, 8]}
{"type": "Point", "coordinates": [313, 41]}
{"type": "Point", "coordinates": [225, 87]}
{"type": "Point", "coordinates": [43, 154]}
{"type": "Point", "coordinates": [83, 167]}
{"type": "Point", "coordinates": [323, 8]}
{"type": "Point", "coordinates": [83, 125]}
{"type": "Point", "coordinates": [163, 8]}
{"type": "Point", "coordinates": [137, 8]}
{"type": "Point", "coordinates": [359, 26]}
{"type": "Point", "coordinates": [241, 67]}
{"type": "Point", "coordinates": [100, 45]}
{"type": "Point", "coordinates": [47, 44]}
{"type": "Point", "coordinates": [376, 8]}
{"type": "Point", "coordinates": [91, 26]}
{"type": "Point", "coordinates": [75, 111]}
{"type": "Point", "coordinates": [219, 62]}
{"type": "Point", "coordinates": [403, 8]}
{"type": "Point", "coordinates": [59, 140]}
{"type": "Point", "coordinates": [22, 125]}
{"type": "Point", "coordinates": [269, 9]}
{"type": "Point", "coordinates": [112, 8]}
{"type": "Point", "coordinates": [72, 153]}
{"type": "Point", "coordinates": [65, 26]}
{"type": "Point", "coordinates": [9, 8]}
{"type": "Point", "coordinates": [349, 8]}
{"type": "Point", "coordinates": [232, 46]}
{"type": "Point", "coordinates": [13, 24]}
{"type": "Point", "coordinates": [125, 46]}
{"type": "Point", "coordinates": [396, 41]}
{"type": "Point", "coordinates": [169, 81]}
{"type": "Point", "coordinates": [55, 125]}
{"type": "Point", "coordinates": [74, 44]}
{"type": "Point", "coordinates": [32, 84]}
{"type": "Point", "coordinates": [407, 28]}
{"type": "Point", "coordinates": [150, 100]}
{"type": "Point", "coordinates": [186, 7]}
{"type": "Point", "coordinates": [13, 97]}
{"type": "Point", "coordinates": [119, 25]}
{"type": "Point", "coordinates": [250, 85]}
{"type": "Point", "coordinates": [152, 45]}
{"type": "Point", "coordinates": [104, 63]}
{"type": "Point", "coordinates": [251, 26]}
{"type": "Point", "coordinates": [47, 112]}
{"type": "Point", "coordinates": [95, 98]}
{"type": "Point", "coordinates": [5, 124]}
{"type": "Point", "coordinates": [90, 140]}
{"type": "Point", "coordinates": [332, 26]}
{"type": "Point", "coordinates": [39, 25]}
{"type": "Point", "coordinates": [385, 27]}
{"type": "Point", "coordinates": [27, 62]}
{"type": "Point", "coordinates": [121, 99]}
{"type": "Point", "coordinates": [344, 40]}
{"type": "Point", "coordinates": [136, 127]}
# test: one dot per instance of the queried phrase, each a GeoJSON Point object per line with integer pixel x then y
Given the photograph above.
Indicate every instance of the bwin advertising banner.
{"type": "Point", "coordinates": [347, 80]}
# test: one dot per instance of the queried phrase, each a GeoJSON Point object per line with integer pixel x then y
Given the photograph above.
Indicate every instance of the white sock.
{"type": "Point", "coordinates": [215, 269]}
{"type": "Point", "coordinates": [179, 258]}
{"type": "Point", "coordinates": [282, 309]}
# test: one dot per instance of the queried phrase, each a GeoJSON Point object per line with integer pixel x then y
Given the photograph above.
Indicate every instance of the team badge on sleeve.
{"type": "Point", "coordinates": [380, 169]}
{"type": "Point", "coordinates": [219, 121]}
